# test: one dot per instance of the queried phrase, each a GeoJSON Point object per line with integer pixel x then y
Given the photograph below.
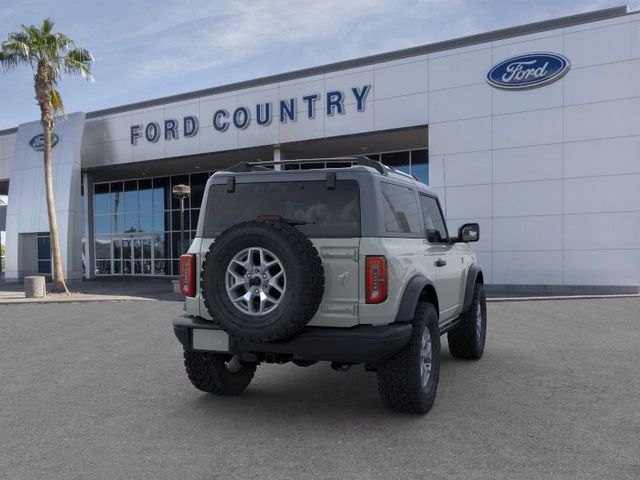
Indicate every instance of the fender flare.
{"type": "Point", "coordinates": [411, 297]}
{"type": "Point", "coordinates": [472, 276]}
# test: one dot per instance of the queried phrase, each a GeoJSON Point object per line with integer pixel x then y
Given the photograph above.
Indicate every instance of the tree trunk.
{"type": "Point", "coordinates": [59, 284]}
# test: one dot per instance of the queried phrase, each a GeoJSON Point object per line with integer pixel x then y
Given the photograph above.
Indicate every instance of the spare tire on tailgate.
{"type": "Point", "coordinates": [262, 281]}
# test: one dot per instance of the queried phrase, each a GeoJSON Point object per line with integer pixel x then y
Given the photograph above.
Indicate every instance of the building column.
{"type": "Point", "coordinates": [89, 244]}
{"type": "Point", "coordinates": [277, 156]}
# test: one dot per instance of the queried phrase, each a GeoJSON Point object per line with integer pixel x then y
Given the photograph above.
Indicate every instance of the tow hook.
{"type": "Point", "coordinates": [340, 367]}
{"type": "Point", "coordinates": [234, 365]}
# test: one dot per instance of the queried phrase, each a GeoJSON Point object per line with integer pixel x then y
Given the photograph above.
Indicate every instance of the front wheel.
{"type": "Point", "coordinates": [467, 339]}
{"type": "Point", "coordinates": [408, 381]}
{"type": "Point", "coordinates": [215, 373]}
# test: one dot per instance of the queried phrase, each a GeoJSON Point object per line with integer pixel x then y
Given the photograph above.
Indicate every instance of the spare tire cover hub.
{"type": "Point", "coordinates": [256, 281]}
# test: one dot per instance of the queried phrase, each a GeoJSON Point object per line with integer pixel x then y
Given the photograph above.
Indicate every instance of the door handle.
{"type": "Point", "coordinates": [440, 262]}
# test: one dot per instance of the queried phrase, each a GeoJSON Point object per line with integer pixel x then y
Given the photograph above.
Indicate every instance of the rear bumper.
{"type": "Point", "coordinates": [360, 344]}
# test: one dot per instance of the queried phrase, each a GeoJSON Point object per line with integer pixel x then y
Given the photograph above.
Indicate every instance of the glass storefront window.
{"type": "Point", "coordinates": [161, 194]}
{"type": "Point", "coordinates": [145, 222]}
{"type": "Point", "coordinates": [131, 223]}
{"type": "Point", "coordinates": [413, 162]}
{"type": "Point", "coordinates": [162, 267]}
{"type": "Point", "coordinates": [159, 246]}
{"type": "Point", "coordinates": [194, 218]}
{"type": "Point", "coordinates": [103, 267]}
{"type": "Point", "coordinates": [117, 223]}
{"type": "Point", "coordinates": [198, 182]}
{"type": "Point", "coordinates": [420, 165]}
{"type": "Point", "coordinates": [102, 224]}
{"type": "Point", "coordinates": [101, 198]}
{"type": "Point", "coordinates": [145, 196]}
{"type": "Point", "coordinates": [160, 223]}
{"type": "Point", "coordinates": [103, 248]}
{"type": "Point", "coordinates": [398, 160]}
{"type": "Point", "coordinates": [44, 252]}
{"type": "Point", "coordinates": [140, 209]}
{"type": "Point", "coordinates": [44, 247]}
{"type": "Point", "coordinates": [117, 197]}
{"type": "Point", "coordinates": [131, 203]}
{"type": "Point", "coordinates": [175, 220]}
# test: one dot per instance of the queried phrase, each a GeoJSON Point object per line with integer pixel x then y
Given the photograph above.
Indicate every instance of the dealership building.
{"type": "Point", "coordinates": [532, 131]}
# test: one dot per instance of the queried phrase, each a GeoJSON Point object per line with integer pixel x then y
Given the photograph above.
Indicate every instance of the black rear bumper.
{"type": "Point", "coordinates": [360, 344]}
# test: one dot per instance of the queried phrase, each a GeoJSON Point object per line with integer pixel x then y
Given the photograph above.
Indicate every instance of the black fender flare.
{"type": "Point", "coordinates": [472, 276]}
{"type": "Point", "coordinates": [411, 297]}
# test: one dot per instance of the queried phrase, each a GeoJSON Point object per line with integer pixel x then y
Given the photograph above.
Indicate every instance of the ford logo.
{"type": "Point", "coordinates": [528, 71]}
{"type": "Point", "coordinates": [37, 142]}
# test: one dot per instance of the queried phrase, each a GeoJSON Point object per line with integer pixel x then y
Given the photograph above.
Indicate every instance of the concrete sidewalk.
{"type": "Point", "coordinates": [153, 288]}
{"type": "Point", "coordinates": [103, 289]}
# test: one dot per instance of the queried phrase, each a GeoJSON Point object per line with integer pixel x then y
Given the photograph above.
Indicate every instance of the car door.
{"type": "Point", "coordinates": [442, 254]}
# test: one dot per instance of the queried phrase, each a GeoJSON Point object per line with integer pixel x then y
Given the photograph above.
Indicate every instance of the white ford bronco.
{"type": "Point", "coordinates": [349, 263]}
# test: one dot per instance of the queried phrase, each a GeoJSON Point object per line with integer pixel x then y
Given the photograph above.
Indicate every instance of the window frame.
{"type": "Point", "coordinates": [444, 220]}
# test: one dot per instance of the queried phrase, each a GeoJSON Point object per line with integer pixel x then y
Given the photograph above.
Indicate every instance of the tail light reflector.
{"type": "Point", "coordinates": [376, 280]}
{"type": "Point", "coordinates": [188, 275]}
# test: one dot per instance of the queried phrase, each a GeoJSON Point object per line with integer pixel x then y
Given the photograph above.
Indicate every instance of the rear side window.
{"type": "Point", "coordinates": [434, 224]}
{"type": "Point", "coordinates": [400, 207]}
{"type": "Point", "coordinates": [322, 212]}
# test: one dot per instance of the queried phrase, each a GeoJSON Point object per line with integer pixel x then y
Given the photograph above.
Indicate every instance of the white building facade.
{"type": "Point", "coordinates": [548, 162]}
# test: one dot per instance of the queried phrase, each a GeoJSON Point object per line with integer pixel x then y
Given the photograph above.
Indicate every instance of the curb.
{"type": "Point", "coordinates": [559, 297]}
{"type": "Point", "coordinates": [105, 298]}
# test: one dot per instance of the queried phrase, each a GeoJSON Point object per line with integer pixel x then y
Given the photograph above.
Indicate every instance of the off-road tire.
{"type": "Point", "coordinates": [208, 372]}
{"type": "Point", "coordinates": [467, 340]}
{"type": "Point", "coordinates": [304, 276]}
{"type": "Point", "coordinates": [399, 378]}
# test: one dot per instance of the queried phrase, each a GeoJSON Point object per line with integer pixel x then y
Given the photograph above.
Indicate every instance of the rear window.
{"type": "Point", "coordinates": [326, 213]}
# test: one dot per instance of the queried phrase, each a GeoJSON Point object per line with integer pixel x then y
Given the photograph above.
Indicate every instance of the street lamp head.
{"type": "Point", "coordinates": [181, 191]}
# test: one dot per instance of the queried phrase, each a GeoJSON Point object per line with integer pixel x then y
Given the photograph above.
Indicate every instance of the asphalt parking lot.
{"type": "Point", "coordinates": [97, 391]}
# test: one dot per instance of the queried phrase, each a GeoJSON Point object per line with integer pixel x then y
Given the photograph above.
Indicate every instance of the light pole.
{"type": "Point", "coordinates": [181, 192]}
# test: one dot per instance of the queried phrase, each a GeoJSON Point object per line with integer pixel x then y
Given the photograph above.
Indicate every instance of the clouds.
{"type": "Point", "coordinates": [334, 29]}
{"type": "Point", "coordinates": [151, 48]}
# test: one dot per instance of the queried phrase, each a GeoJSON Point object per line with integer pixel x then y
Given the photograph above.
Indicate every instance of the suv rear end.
{"type": "Point", "coordinates": [323, 207]}
{"type": "Point", "coordinates": [312, 265]}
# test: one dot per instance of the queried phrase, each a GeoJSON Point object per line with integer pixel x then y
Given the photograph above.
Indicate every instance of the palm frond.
{"type": "Point", "coordinates": [47, 26]}
{"type": "Point", "coordinates": [50, 54]}
{"type": "Point", "coordinates": [18, 48]}
{"type": "Point", "coordinates": [78, 61]}
{"type": "Point", "coordinates": [10, 60]}
{"type": "Point", "coordinates": [56, 101]}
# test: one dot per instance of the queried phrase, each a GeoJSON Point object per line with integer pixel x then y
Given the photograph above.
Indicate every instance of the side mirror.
{"type": "Point", "coordinates": [469, 232]}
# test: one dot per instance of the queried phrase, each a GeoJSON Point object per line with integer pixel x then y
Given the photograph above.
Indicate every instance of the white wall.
{"type": "Point", "coordinates": [27, 209]}
{"type": "Point", "coordinates": [398, 98]}
{"type": "Point", "coordinates": [552, 174]}
{"type": "Point", "coordinates": [7, 145]}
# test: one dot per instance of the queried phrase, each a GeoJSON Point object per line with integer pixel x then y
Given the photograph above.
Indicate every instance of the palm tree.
{"type": "Point", "coordinates": [50, 55]}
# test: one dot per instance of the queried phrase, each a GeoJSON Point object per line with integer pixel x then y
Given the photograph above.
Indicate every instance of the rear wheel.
{"type": "Point", "coordinates": [215, 373]}
{"type": "Point", "coordinates": [408, 381]}
{"type": "Point", "coordinates": [467, 339]}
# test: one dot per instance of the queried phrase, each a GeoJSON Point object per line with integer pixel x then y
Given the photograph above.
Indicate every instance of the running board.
{"type": "Point", "coordinates": [449, 325]}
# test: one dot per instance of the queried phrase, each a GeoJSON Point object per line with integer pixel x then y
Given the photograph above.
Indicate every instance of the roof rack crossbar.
{"type": "Point", "coordinates": [360, 160]}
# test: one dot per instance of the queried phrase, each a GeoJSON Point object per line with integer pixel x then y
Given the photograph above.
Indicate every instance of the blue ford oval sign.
{"type": "Point", "coordinates": [37, 142]}
{"type": "Point", "coordinates": [528, 71]}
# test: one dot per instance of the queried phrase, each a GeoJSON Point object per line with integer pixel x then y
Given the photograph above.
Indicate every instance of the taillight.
{"type": "Point", "coordinates": [376, 280]}
{"type": "Point", "coordinates": [188, 275]}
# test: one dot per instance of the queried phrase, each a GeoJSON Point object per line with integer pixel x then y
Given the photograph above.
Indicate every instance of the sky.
{"type": "Point", "coordinates": [146, 49]}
